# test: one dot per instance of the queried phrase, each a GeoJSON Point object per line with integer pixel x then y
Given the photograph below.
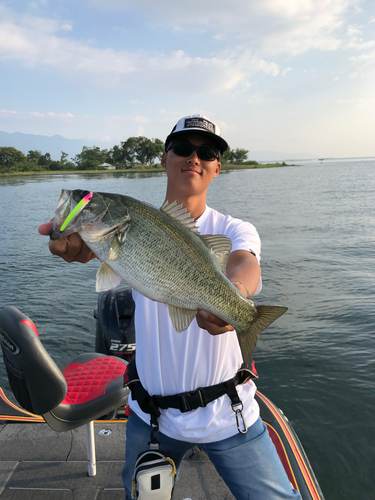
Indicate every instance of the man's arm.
{"type": "Point", "coordinates": [243, 267]}
{"type": "Point", "coordinates": [71, 249]}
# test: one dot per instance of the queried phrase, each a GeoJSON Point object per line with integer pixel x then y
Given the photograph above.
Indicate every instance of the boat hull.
{"type": "Point", "coordinates": [289, 449]}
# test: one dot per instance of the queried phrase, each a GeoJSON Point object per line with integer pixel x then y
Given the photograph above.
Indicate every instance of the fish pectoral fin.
{"type": "Point", "coordinates": [106, 278]}
{"type": "Point", "coordinates": [114, 250]}
{"type": "Point", "coordinates": [118, 240]}
{"type": "Point", "coordinates": [220, 247]}
{"type": "Point", "coordinates": [249, 336]}
{"type": "Point", "coordinates": [180, 317]}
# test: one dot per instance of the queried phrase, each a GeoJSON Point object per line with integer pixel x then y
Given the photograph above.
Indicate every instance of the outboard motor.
{"type": "Point", "coordinates": [114, 314]}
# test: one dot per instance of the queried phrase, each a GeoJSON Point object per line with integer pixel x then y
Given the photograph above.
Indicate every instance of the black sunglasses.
{"type": "Point", "coordinates": [186, 148]}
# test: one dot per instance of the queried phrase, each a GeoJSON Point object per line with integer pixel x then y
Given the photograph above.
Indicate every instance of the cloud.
{"type": "Point", "coordinates": [51, 114]}
{"type": "Point", "coordinates": [286, 71]}
{"type": "Point", "coordinates": [7, 113]}
{"type": "Point", "coordinates": [258, 33]}
{"type": "Point", "coordinates": [356, 40]}
{"type": "Point", "coordinates": [354, 31]}
{"type": "Point", "coordinates": [107, 138]}
{"type": "Point", "coordinates": [36, 42]}
{"type": "Point", "coordinates": [272, 26]}
{"type": "Point", "coordinates": [36, 114]}
{"type": "Point", "coordinates": [66, 27]}
{"type": "Point", "coordinates": [365, 66]}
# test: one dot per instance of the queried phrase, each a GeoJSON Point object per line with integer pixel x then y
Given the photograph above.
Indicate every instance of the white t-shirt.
{"type": "Point", "coordinates": [169, 362]}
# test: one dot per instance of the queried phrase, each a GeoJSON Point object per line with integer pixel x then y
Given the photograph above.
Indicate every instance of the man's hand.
{"type": "Point", "coordinates": [71, 249]}
{"type": "Point", "coordinates": [239, 261]}
{"type": "Point", "coordinates": [211, 323]}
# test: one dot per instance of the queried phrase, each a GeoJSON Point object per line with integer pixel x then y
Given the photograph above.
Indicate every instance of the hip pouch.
{"type": "Point", "coordinates": [154, 476]}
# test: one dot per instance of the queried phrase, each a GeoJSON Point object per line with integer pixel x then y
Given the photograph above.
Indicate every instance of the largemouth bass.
{"type": "Point", "coordinates": [160, 253]}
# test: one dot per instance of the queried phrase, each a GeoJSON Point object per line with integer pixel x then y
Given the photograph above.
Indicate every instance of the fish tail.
{"type": "Point", "coordinates": [248, 337]}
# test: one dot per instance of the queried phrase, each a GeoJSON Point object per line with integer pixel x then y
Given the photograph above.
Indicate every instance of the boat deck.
{"type": "Point", "coordinates": [33, 466]}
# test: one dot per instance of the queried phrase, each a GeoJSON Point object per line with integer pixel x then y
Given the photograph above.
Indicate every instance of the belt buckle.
{"type": "Point", "coordinates": [188, 400]}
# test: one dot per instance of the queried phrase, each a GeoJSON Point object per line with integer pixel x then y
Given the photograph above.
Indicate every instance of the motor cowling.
{"type": "Point", "coordinates": [114, 314]}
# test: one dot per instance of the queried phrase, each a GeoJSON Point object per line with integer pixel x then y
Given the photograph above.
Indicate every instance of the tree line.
{"type": "Point", "coordinates": [128, 154]}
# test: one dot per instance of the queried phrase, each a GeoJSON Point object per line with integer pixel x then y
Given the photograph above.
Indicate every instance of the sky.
{"type": "Point", "coordinates": [276, 75]}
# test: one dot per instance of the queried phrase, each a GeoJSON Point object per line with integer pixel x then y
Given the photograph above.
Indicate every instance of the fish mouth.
{"type": "Point", "coordinates": [111, 231]}
{"type": "Point", "coordinates": [100, 233]}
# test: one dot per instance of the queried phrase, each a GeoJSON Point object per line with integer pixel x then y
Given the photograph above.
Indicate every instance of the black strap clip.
{"type": "Point", "coordinates": [237, 407]}
{"type": "Point", "coordinates": [240, 418]}
{"type": "Point", "coordinates": [154, 443]}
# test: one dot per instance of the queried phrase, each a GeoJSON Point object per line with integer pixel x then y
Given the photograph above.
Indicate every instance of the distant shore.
{"type": "Point", "coordinates": [140, 169]}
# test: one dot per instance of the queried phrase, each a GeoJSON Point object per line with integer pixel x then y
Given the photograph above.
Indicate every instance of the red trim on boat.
{"type": "Point", "coordinates": [295, 449]}
{"type": "Point", "coordinates": [24, 414]}
{"type": "Point", "coordinates": [281, 451]}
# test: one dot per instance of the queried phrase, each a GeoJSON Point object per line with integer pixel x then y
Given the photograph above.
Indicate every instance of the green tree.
{"type": "Point", "coordinates": [64, 163]}
{"type": "Point", "coordinates": [136, 150]}
{"type": "Point", "coordinates": [64, 157]}
{"type": "Point", "coordinates": [33, 156]}
{"type": "Point", "coordinates": [148, 149]}
{"type": "Point", "coordinates": [225, 157]}
{"type": "Point", "coordinates": [90, 158]}
{"type": "Point", "coordinates": [45, 160]}
{"type": "Point", "coordinates": [56, 165]}
{"type": "Point", "coordinates": [238, 156]}
{"type": "Point", "coordinates": [126, 153]}
{"type": "Point", "coordinates": [12, 160]}
{"type": "Point", "coordinates": [114, 155]}
{"type": "Point", "coordinates": [32, 161]}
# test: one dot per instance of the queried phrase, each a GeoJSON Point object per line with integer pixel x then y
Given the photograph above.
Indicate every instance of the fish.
{"type": "Point", "coordinates": [160, 253]}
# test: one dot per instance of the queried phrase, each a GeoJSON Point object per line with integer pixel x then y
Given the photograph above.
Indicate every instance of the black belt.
{"type": "Point", "coordinates": [188, 401]}
{"type": "Point", "coordinates": [199, 398]}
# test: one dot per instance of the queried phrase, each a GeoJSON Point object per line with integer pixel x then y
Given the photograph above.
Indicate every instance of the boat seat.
{"type": "Point", "coordinates": [92, 385]}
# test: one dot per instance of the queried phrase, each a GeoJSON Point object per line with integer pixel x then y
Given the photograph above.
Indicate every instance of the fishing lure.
{"type": "Point", "coordinates": [76, 210]}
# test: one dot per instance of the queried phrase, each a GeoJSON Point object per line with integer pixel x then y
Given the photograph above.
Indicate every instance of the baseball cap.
{"type": "Point", "coordinates": [200, 125]}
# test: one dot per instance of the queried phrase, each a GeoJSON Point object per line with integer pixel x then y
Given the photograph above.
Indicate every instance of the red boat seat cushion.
{"type": "Point", "coordinates": [88, 380]}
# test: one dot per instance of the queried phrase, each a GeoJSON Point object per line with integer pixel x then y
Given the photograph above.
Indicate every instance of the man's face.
{"type": "Point", "coordinates": [189, 176]}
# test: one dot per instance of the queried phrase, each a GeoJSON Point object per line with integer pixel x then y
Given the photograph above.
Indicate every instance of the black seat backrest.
{"type": "Point", "coordinates": [36, 381]}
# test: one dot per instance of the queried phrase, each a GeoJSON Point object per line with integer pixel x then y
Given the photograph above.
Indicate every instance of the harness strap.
{"type": "Point", "coordinates": [145, 401]}
{"type": "Point", "coordinates": [188, 401]}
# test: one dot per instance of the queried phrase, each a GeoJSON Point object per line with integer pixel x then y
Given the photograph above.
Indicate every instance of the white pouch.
{"type": "Point", "coordinates": [154, 476]}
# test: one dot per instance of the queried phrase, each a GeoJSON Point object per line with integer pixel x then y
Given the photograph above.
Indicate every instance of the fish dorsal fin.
{"type": "Point", "coordinates": [180, 317]}
{"type": "Point", "coordinates": [106, 278]}
{"type": "Point", "coordinates": [180, 213]}
{"type": "Point", "coordinates": [220, 247]}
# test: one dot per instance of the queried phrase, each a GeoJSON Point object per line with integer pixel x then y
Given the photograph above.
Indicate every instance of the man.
{"type": "Point", "coordinates": [207, 353]}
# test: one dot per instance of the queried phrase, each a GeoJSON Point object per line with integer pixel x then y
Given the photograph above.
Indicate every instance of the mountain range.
{"type": "Point", "coordinates": [56, 143]}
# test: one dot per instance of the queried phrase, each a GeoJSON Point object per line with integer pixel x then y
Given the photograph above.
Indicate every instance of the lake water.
{"type": "Point", "coordinates": [317, 362]}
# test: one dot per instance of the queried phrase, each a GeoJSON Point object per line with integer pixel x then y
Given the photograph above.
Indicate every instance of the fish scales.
{"type": "Point", "coordinates": [165, 259]}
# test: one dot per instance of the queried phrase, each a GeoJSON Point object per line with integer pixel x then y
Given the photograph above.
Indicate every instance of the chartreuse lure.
{"type": "Point", "coordinates": [76, 210]}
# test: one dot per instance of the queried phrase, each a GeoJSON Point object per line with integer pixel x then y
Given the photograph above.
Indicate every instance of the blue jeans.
{"type": "Point", "coordinates": [248, 463]}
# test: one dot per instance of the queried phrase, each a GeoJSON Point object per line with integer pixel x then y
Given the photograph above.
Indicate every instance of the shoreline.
{"type": "Point", "coordinates": [136, 170]}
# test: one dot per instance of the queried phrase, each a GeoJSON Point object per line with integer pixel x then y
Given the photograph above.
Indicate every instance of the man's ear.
{"type": "Point", "coordinates": [218, 168]}
{"type": "Point", "coordinates": [164, 160]}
